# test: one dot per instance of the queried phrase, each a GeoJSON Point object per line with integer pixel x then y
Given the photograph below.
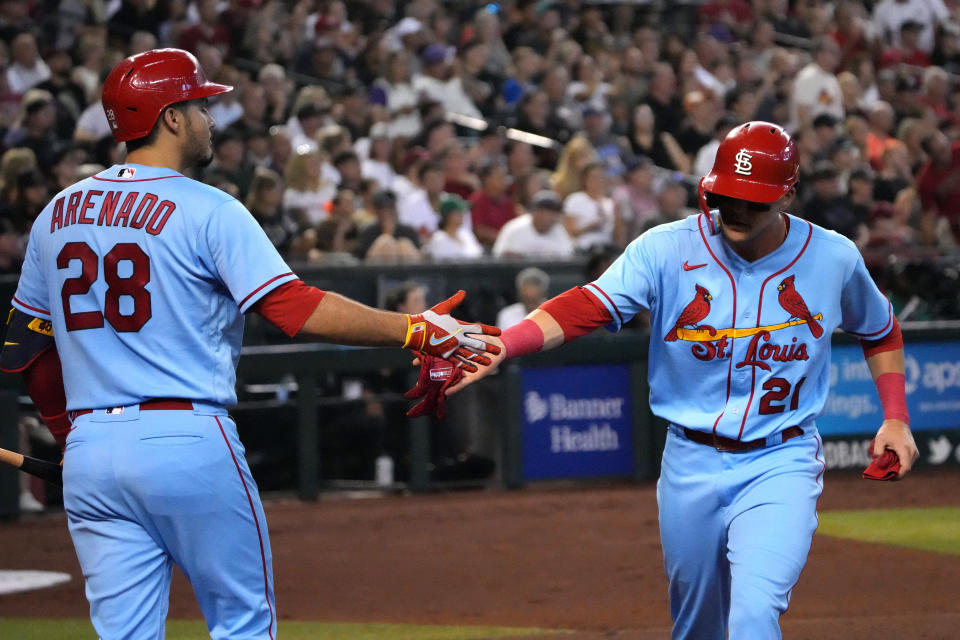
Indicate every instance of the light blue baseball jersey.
{"type": "Point", "coordinates": [745, 358]}
{"type": "Point", "coordinates": [146, 275]}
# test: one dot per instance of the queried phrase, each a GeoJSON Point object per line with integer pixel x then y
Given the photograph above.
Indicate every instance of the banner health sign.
{"type": "Point", "coordinates": [852, 414]}
{"type": "Point", "coordinates": [577, 422]}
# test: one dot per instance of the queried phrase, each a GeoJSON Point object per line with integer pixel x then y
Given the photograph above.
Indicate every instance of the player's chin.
{"type": "Point", "coordinates": [205, 158]}
{"type": "Point", "coordinates": [737, 231]}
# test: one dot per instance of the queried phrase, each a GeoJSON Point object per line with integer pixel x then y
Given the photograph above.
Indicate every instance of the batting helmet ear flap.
{"type": "Point", "coordinates": [708, 202]}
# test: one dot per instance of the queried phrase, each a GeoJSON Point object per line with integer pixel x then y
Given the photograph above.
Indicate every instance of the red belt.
{"type": "Point", "coordinates": [721, 443]}
{"type": "Point", "coordinates": [153, 404]}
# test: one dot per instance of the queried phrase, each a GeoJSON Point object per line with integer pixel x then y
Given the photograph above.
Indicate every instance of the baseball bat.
{"type": "Point", "coordinates": [49, 471]}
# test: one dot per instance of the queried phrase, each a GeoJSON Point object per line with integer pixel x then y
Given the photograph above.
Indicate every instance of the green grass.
{"type": "Point", "coordinates": [933, 529]}
{"type": "Point", "coordinates": [75, 629]}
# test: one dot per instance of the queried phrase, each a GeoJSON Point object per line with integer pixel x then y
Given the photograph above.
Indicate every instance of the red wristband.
{"type": "Point", "coordinates": [521, 339]}
{"type": "Point", "coordinates": [893, 396]}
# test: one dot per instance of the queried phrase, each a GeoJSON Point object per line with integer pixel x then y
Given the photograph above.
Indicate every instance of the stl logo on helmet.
{"type": "Point", "coordinates": [744, 163]}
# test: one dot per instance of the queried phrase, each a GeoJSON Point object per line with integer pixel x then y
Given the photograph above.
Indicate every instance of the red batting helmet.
{"type": "Point", "coordinates": [142, 86]}
{"type": "Point", "coordinates": [757, 161]}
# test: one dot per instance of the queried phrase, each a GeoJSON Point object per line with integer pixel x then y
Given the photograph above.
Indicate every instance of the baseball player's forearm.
{"type": "Point", "coordinates": [344, 321]}
{"type": "Point", "coordinates": [887, 369]}
{"type": "Point", "coordinates": [571, 314]}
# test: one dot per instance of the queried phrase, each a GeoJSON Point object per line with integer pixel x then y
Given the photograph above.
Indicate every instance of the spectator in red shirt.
{"type": "Point", "coordinates": [208, 30]}
{"type": "Point", "coordinates": [491, 206]}
{"type": "Point", "coordinates": [938, 182]}
{"type": "Point", "coordinates": [908, 53]}
{"type": "Point", "coordinates": [850, 31]}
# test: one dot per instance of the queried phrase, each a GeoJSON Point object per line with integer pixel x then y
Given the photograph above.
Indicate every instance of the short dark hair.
{"type": "Point", "coordinates": [344, 156]}
{"type": "Point", "coordinates": [487, 169]}
{"type": "Point", "coordinates": [429, 166]}
{"type": "Point", "coordinates": [398, 296]}
{"type": "Point", "coordinates": [150, 138]}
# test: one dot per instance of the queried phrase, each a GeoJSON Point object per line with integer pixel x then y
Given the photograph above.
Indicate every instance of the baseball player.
{"type": "Point", "coordinates": [743, 299]}
{"type": "Point", "coordinates": [141, 277]}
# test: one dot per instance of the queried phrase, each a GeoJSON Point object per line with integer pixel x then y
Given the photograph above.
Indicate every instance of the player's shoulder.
{"type": "Point", "coordinates": [828, 241]}
{"type": "Point", "coordinates": [658, 243]}
{"type": "Point", "coordinates": [676, 231]}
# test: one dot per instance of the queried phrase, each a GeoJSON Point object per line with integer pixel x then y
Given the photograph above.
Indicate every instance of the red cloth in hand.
{"type": "Point", "coordinates": [886, 466]}
{"type": "Point", "coordinates": [436, 376]}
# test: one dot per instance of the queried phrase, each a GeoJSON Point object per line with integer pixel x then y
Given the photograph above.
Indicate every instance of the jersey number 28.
{"type": "Point", "coordinates": [117, 286]}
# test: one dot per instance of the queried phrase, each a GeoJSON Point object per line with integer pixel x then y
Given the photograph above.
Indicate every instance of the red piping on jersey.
{"type": "Point", "coordinates": [710, 222]}
{"type": "Point", "coordinates": [604, 294]}
{"type": "Point", "coordinates": [24, 304]}
{"type": "Point", "coordinates": [134, 180]}
{"type": "Point", "coordinates": [734, 323]}
{"type": "Point", "coordinates": [753, 376]}
{"type": "Point", "coordinates": [256, 522]}
{"type": "Point", "coordinates": [867, 335]}
{"type": "Point", "coordinates": [273, 279]}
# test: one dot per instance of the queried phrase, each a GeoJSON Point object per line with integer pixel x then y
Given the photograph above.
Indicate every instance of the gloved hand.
{"type": "Point", "coordinates": [886, 466]}
{"type": "Point", "coordinates": [436, 376]}
{"type": "Point", "coordinates": [436, 333]}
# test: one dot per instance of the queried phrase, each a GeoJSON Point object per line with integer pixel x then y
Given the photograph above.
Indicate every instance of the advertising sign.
{"type": "Point", "coordinates": [577, 422]}
{"type": "Point", "coordinates": [852, 413]}
{"type": "Point", "coordinates": [933, 390]}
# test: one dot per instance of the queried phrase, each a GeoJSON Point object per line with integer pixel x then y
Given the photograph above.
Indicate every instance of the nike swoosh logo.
{"type": "Point", "coordinates": [434, 342]}
{"type": "Point", "coordinates": [5, 343]}
{"type": "Point", "coordinates": [690, 267]}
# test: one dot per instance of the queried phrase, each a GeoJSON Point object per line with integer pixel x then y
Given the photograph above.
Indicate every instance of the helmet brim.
{"type": "Point", "coordinates": [207, 90]}
{"type": "Point", "coordinates": [743, 189]}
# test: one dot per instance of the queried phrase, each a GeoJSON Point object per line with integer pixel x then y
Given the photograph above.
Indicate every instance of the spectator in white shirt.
{"type": "Point", "coordinates": [27, 68]}
{"type": "Point", "coordinates": [376, 165]}
{"type": "Point", "coordinates": [306, 190]}
{"type": "Point", "coordinates": [536, 234]}
{"type": "Point", "coordinates": [418, 207]}
{"type": "Point", "coordinates": [437, 82]}
{"type": "Point", "coordinates": [816, 89]}
{"type": "Point", "coordinates": [889, 16]}
{"type": "Point", "coordinates": [453, 240]}
{"type": "Point", "coordinates": [589, 214]}
{"type": "Point", "coordinates": [531, 284]}
{"type": "Point", "coordinates": [703, 162]}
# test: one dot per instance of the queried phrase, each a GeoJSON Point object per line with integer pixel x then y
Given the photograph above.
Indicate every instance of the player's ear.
{"type": "Point", "coordinates": [173, 119]}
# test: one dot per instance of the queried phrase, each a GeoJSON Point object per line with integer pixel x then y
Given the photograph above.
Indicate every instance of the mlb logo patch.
{"type": "Point", "coordinates": [126, 172]}
{"type": "Point", "coordinates": [113, 411]}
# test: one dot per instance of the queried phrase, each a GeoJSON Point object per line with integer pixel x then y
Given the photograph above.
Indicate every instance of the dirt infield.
{"type": "Point", "coordinates": [581, 559]}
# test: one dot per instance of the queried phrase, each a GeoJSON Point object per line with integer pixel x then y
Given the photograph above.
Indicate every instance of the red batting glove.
{"type": "Point", "coordinates": [436, 376]}
{"type": "Point", "coordinates": [436, 333]}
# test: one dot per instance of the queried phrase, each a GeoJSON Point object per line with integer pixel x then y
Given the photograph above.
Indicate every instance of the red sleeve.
{"type": "Point", "coordinates": [43, 379]}
{"type": "Point", "coordinates": [288, 306]}
{"type": "Point", "coordinates": [577, 312]}
{"type": "Point", "coordinates": [890, 342]}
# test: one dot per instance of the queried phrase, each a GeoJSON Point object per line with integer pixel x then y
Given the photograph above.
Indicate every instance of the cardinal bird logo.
{"type": "Point", "coordinates": [791, 300]}
{"type": "Point", "coordinates": [693, 313]}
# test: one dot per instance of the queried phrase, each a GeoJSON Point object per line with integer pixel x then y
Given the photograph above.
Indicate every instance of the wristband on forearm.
{"type": "Point", "coordinates": [893, 397]}
{"type": "Point", "coordinates": [521, 339]}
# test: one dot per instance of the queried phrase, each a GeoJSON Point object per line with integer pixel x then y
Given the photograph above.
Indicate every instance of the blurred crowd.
{"type": "Point", "coordinates": [429, 130]}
